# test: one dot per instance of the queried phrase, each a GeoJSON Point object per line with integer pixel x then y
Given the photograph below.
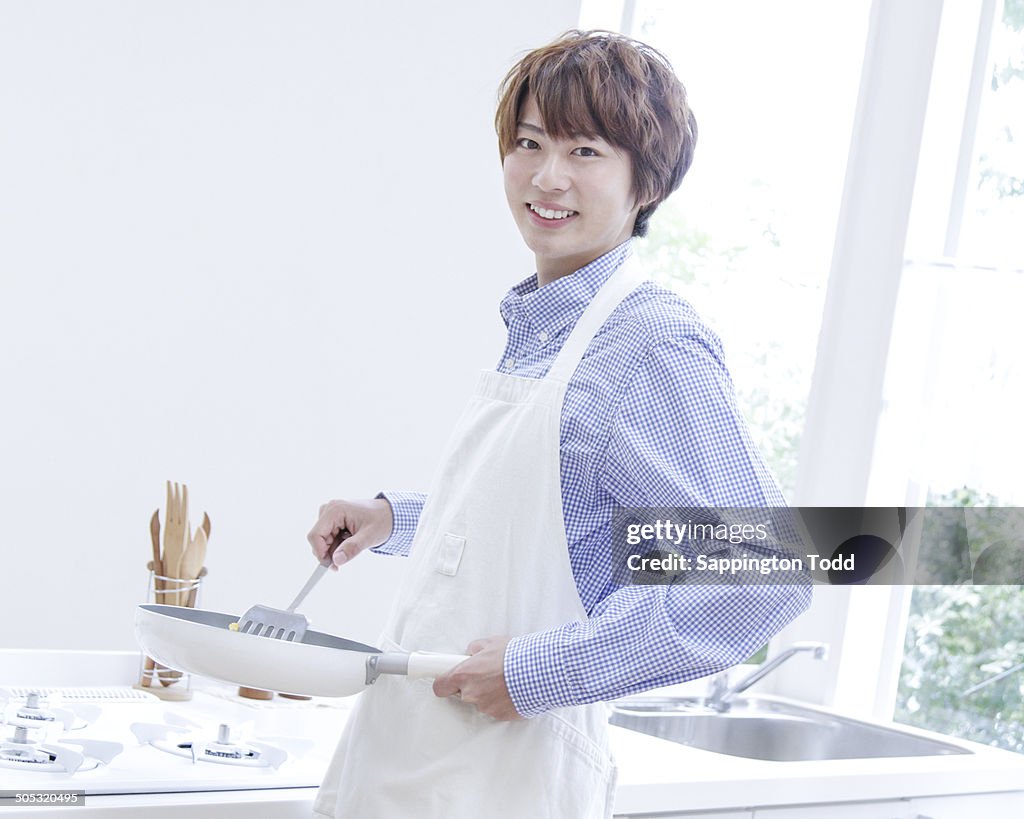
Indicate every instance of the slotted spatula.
{"type": "Point", "coordinates": [264, 621]}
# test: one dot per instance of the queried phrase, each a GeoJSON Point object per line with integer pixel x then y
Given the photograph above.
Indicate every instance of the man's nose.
{"type": "Point", "coordinates": [552, 174]}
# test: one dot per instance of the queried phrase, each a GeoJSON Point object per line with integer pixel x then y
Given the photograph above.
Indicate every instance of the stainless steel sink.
{"type": "Point", "coordinates": [771, 730]}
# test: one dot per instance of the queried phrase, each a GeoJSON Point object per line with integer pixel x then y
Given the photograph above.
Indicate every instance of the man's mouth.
{"type": "Point", "coordinates": [553, 215]}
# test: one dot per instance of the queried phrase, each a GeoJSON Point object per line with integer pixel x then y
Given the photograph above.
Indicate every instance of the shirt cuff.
{"type": "Point", "coordinates": [405, 512]}
{"type": "Point", "coordinates": [535, 671]}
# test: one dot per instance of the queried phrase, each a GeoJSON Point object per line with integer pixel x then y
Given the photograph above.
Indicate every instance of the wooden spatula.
{"type": "Point", "coordinates": [174, 535]}
{"type": "Point", "coordinates": [192, 561]}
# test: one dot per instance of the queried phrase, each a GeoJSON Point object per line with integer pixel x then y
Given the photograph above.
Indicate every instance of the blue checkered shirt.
{"type": "Point", "coordinates": [649, 420]}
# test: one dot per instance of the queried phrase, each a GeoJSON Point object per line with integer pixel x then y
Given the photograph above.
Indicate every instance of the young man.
{"type": "Point", "coordinates": [611, 391]}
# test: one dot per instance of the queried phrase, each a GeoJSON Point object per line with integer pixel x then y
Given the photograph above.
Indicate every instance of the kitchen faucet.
{"type": "Point", "coordinates": [722, 693]}
{"type": "Point", "coordinates": [992, 679]}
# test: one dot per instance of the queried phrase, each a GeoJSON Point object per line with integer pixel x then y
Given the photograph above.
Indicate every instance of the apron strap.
{"type": "Point", "coordinates": [611, 294]}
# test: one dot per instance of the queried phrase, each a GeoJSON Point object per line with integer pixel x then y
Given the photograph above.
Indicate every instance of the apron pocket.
{"type": "Point", "coordinates": [583, 745]}
{"type": "Point", "coordinates": [449, 556]}
{"type": "Point", "coordinates": [584, 784]}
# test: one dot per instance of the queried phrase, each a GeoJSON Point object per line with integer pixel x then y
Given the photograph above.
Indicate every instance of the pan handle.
{"type": "Point", "coordinates": [416, 665]}
{"type": "Point", "coordinates": [424, 665]}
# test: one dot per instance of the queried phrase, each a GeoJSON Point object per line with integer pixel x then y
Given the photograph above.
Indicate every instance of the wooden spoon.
{"type": "Point", "coordinates": [192, 561]}
{"type": "Point", "coordinates": [154, 536]}
{"type": "Point", "coordinates": [191, 601]}
{"type": "Point", "coordinates": [174, 546]}
{"type": "Point", "coordinates": [174, 535]}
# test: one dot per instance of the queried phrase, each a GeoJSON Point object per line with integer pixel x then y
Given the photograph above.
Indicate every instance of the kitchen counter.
{"type": "Point", "coordinates": [656, 776]}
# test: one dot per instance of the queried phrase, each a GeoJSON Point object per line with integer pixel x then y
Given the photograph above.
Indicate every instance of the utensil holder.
{"type": "Point", "coordinates": [167, 683]}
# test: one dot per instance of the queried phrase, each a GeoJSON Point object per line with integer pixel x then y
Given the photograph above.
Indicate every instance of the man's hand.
{"type": "Point", "coordinates": [362, 524]}
{"type": "Point", "coordinates": [480, 680]}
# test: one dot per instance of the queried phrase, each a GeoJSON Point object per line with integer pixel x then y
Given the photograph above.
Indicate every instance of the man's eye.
{"type": "Point", "coordinates": [584, 151]}
{"type": "Point", "coordinates": [526, 142]}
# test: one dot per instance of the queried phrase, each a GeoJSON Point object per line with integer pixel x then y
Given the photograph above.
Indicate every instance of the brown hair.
{"type": "Point", "coordinates": [599, 83]}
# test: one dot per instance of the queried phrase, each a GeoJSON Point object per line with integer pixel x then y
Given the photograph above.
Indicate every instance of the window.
{"type": "Point", "coordinates": [748, 237]}
{"type": "Point", "coordinates": [950, 432]}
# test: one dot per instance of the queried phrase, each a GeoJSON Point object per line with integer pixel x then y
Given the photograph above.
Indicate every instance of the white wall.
{"type": "Point", "coordinates": [254, 247]}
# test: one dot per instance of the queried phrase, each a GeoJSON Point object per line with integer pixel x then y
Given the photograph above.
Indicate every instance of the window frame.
{"type": "Point", "coordinates": [869, 623]}
{"type": "Point", "coordinates": [866, 625]}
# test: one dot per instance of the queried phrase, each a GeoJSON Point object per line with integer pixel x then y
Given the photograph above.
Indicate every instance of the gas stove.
{"type": "Point", "coordinates": [122, 747]}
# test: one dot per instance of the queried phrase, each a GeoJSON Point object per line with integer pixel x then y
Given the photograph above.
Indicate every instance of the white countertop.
{"type": "Point", "coordinates": [655, 775]}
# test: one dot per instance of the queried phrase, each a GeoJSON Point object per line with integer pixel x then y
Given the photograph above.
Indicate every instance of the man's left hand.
{"type": "Point", "coordinates": [480, 680]}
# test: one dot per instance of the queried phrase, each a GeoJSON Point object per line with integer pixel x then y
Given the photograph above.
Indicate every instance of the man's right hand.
{"type": "Point", "coordinates": [368, 521]}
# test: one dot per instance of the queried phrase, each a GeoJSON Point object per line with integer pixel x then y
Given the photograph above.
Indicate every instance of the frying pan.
{"type": "Point", "coordinates": [200, 642]}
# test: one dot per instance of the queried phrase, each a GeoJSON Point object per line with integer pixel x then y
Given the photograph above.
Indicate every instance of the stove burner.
{"type": "Point", "coordinates": [26, 756]}
{"type": "Point", "coordinates": [221, 751]}
{"type": "Point", "coordinates": [21, 751]}
{"type": "Point", "coordinates": [34, 714]}
{"type": "Point", "coordinates": [234, 753]}
{"type": "Point", "coordinates": [31, 710]}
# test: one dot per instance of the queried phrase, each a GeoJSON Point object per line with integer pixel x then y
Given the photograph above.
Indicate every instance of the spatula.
{"type": "Point", "coordinates": [265, 621]}
{"type": "Point", "coordinates": [175, 524]}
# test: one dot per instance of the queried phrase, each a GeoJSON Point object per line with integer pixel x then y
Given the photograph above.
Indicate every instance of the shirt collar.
{"type": "Point", "coordinates": [559, 302]}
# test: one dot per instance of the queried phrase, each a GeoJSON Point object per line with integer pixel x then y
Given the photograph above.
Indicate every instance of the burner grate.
{"type": "Point", "coordinates": [98, 694]}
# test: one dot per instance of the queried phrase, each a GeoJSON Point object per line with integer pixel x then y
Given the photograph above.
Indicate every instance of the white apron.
{"type": "Point", "coordinates": [490, 557]}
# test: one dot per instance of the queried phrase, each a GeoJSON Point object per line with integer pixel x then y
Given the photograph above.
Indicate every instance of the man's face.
{"type": "Point", "coordinates": [571, 198]}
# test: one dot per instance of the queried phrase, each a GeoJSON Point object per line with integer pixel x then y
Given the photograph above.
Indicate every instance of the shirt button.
{"type": "Point", "coordinates": [510, 363]}
{"type": "Point", "coordinates": [543, 336]}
